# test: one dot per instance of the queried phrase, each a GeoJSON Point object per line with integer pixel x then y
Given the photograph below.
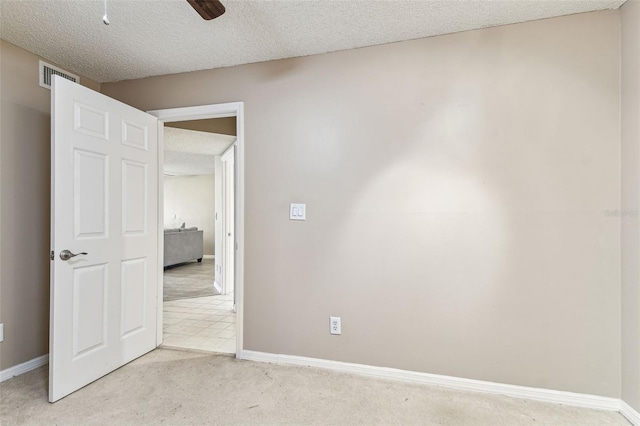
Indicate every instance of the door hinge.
{"type": "Point", "coordinates": [51, 255]}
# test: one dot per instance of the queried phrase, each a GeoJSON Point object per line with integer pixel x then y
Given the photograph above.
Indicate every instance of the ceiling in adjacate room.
{"type": "Point", "coordinates": [189, 152]}
{"type": "Point", "coordinates": [159, 37]}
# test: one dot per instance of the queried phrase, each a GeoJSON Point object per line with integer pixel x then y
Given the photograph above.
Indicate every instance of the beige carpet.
{"type": "Point", "coordinates": [189, 280]}
{"type": "Point", "coordinates": [177, 388]}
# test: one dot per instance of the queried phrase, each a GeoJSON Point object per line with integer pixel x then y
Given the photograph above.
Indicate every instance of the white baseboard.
{"type": "Point", "coordinates": [19, 369]}
{"type": "Point", "coordinates": [629, 413]}
{"type": "Point", "coordinates": [218, 287]}
{"type": "Point", "coordinates": [545, 395]}
{"type": "Point", "coordinates": [208, 256]}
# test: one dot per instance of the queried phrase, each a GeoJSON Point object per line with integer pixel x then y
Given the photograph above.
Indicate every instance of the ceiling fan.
{"type": "Point", "coordinates": [208, 9]}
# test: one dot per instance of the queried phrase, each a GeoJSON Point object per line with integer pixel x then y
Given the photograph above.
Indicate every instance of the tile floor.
{"type": "Point", "coordinates": [189, 280]}
{"type": "Point", "coordinates": [204, 323]}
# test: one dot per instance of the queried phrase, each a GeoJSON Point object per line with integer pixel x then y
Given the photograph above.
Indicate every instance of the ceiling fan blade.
{"type": "Point", "coordinates": [208, 9]}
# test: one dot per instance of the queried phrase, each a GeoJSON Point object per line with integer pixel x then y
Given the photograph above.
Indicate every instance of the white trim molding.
{"type": "Point", "coordinates": [536, 394]}
{"type": "Point", "coordinates": [629, 413]}
{"type": "Point", "coordinates": [25, 367]}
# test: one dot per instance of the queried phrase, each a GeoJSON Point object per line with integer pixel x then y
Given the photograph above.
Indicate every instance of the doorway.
{"type": "Point", "coordinates": [231, 255]}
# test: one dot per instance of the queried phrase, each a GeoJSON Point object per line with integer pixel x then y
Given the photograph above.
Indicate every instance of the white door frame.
{"type": "Point", "coordinates": [202, 112]}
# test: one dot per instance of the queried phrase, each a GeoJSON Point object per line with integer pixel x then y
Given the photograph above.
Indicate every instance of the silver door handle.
{"type": "Point", "coordinates": [66, 254]}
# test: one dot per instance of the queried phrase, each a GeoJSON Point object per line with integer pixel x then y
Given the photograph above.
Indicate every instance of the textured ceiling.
{"type": "Point", "coordinates": [167, 36]}
{"type": "Point", "coordinates": [188, 152]}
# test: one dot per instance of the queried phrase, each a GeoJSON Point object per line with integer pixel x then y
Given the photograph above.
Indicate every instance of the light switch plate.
{"type": "Point", "coordinates": [1, 332]}
{"type": "Point", "coordinates": [298, 212]}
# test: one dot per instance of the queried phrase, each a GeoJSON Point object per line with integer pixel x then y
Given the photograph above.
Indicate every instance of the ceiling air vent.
{"type": "Point", "coordinates": [47, 71]}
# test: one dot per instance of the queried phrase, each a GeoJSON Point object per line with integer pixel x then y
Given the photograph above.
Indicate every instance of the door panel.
{"type": "Point", "coordinates": [90, 182]}
{"type": "Point", "coordinates": [133, 292]}
{"type": "Point", "coordinates": [89, 309]}
{"type": "Point", "coordinates": [90, 121]}
{"type": "Point", "coordinates": [104, 203]}
{"type": "Point", "coordinates": [135, 135]}
{"type": "Point", "coordinates": [134, 196]}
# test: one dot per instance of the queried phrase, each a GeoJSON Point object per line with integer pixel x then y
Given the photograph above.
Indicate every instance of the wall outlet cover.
{"type": "Point", "coordinates": [335, 325]}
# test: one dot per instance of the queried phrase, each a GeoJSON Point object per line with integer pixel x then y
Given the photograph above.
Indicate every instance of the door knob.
{"type": "Point", "coordinates": [66, 254]}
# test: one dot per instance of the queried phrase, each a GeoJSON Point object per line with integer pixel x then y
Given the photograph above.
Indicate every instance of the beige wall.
{"type": "Point", "coordinates": [24, 204]}
{"type": "Point", "coordinates": [191, 200]}
{"type": "Point", "coordinates": [631, 203]}
{"type": "Point", "coordinates": [456, 190]}
{"type": "Point", "coordinates": [225, 126]}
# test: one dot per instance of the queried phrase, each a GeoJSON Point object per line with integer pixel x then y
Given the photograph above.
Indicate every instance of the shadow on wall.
{"type": "Point", "coordinates": [26, 171]}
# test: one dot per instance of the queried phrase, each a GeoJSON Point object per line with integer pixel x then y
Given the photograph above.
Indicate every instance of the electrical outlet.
{"type": "Point", "coordinates": [1, 332]}
{"type": "Point", "coordinates": [336, 325]}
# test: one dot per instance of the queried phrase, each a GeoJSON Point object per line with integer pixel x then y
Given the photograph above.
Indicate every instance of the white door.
{"type": "Point", "coordinates": [104, 194]}
{"type": "Point", "coordinates": [228, 177]}
{"type": "Point", "coordinates": [219, 231]}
